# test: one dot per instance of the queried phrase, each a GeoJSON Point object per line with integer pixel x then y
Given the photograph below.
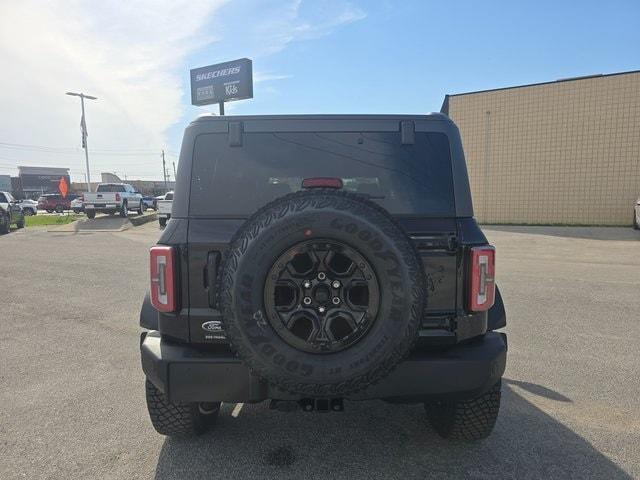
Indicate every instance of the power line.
{"type": "Point", "coordinates": [74, 150]}
{"type": "Point", "coordinates": [101, 153]}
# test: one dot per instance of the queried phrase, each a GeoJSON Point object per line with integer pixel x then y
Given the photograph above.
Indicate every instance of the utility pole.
{"type": "Point", "coordinates": [83, 128]}
{"type": "Point", "coordinates": [175, 178]}
{"type": "Point", "coordinates": [164, 171]}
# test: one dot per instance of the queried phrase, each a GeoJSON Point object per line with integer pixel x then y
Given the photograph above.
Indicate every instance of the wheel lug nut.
{"type": "Point", "coordinates": [336, 300]}
{"type": "Point", "coordinates": [335, 284]}
{"type": "Point", "coordinates": [306, 284]}
{"type": "Point", "coordinates": [322, 276]}
{"type": "Point", "coordinates": [306, 300]}
{"type": "Point", "coordinates": [321, 309]}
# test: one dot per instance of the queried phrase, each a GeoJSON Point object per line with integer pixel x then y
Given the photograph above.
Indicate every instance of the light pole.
{"type": "Point", "coordinates": [83, 127]}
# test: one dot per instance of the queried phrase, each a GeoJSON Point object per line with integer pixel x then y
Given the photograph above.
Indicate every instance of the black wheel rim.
{"type": "Point", "coordinates": [321, 296]}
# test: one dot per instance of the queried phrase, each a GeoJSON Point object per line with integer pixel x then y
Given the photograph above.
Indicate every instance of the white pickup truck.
{"type": "Point", "coordinates": [111, 198]}
{"type": "Point", "coordinates": [164, 209]}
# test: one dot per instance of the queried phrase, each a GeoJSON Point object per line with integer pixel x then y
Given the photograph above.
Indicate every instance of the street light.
{"type": "Point", "coordinates": [83, 126]}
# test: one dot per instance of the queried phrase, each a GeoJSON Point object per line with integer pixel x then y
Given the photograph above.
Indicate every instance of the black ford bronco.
{"type": "Point", "coordinates": [315, 259]}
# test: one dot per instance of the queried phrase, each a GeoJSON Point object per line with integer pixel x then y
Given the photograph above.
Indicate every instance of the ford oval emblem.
{"type": "Point", "coordinates": [212, 326]}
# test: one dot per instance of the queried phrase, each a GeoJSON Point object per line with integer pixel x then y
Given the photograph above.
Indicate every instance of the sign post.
{"type": "Point", "coordinates": [223, 82]}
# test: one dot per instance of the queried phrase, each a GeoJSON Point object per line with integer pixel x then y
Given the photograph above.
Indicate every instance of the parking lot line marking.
{"type": "Point", "coordinates": [236, 410]}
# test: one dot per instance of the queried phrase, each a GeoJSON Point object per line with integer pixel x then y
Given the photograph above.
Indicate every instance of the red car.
{"type": "Point", "coordinates": [54, 202]}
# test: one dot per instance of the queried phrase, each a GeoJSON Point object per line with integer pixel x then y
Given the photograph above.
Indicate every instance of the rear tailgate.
{"type": "Point", "coordinates": [164, 207]}
{"type": "Point", "coordinates": [412, 180]}
{"type": "Point", "coordinates": [100, 200]}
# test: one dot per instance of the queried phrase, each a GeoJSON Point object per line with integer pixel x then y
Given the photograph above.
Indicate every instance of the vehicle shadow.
{"type": "Point", "coordinates": [538, 390]}
{"type": "Point", "coordinates": [379, 440]}
{"type": "Point", "coordinates": [621, 234]}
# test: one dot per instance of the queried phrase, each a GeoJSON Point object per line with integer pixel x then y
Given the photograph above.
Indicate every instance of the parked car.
{"type": "Point", "coordinates": [111, 198]}
{"type": "Point", "coordinates": [149, 203]}
{"type": "Point", "coordinates": [54, 202]}
{"type": "Point", "coordinates": [164, 208]}
{"type": "Point", "coordinates": [77, 205]}
{"type": "Point", "coordinates": [297, 267]}
{"type": "Point", "coordinates": [10, 212]}
{"type": "Point", "coordinates": [29, 207]}
{"type": "Point", "coordinates": [636, 215]}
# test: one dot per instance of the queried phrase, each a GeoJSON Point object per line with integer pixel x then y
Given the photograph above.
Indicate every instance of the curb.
{"type": "Point", "coordinates": [141, 220]}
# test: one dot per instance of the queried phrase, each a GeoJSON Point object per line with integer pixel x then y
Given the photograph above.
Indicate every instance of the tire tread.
{"type": "Point", "coordinates": [472, 419]}
{"type": "Point", "coordinates": [173, 419]}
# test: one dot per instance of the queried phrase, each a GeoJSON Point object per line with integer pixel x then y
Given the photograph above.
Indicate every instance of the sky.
{"type": "Point", "coordinates": [320, 56]}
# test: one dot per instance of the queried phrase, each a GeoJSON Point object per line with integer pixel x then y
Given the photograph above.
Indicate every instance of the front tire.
{"type": "Point", "coordinates": [28, 212]}
{"type": "Point", "coordinates": [179, 419]}
{"type": "Point", "coordinates": [59, 209]}
{"type": "Point", "coordinates": [472, 419]}
{"type": "Point", "coordinates": [91, 214]}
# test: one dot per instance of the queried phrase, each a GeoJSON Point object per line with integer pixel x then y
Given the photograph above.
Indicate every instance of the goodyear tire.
{"type": "Point", "coordinates": [388, 260]}
{"type": "Point", "coordinates": [472, 419]}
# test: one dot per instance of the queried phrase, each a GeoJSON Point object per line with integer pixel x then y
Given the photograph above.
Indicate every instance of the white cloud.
{"type": "Point", "coordinates": [259, 77]}
{"type": "Point", "coordinates": [134, 56]}
{"type": "Point", "coordinates": [274, 25]}
{"type": "Point", "coordinates": [128, 54]}
{"type": "Point", "coordinates": [295, 23]}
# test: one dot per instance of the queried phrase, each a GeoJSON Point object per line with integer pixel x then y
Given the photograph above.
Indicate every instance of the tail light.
{"type": "Point", "coordinates": [117, 197]}
{"type": "Point", "coordinates": [163, 282]}
{"type": "Point", "coordinates": [482, 283]}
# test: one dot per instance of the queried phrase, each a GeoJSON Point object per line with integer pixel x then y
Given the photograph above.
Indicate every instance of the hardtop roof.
{"type": "Point", "coordinates": [431, 116]}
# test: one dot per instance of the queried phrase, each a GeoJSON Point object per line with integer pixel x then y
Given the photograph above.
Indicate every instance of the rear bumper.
{"type": "Point", "coordinates": [188, 374]}
{"type": "Point", "coordinates": [102, 206]}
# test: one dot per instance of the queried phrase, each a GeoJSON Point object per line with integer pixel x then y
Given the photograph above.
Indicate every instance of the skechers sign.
{"type": "Point", "coordinates": [223, 82]}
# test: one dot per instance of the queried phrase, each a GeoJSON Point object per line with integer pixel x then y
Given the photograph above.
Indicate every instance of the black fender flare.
{"type": "Point", "coordinates": [148, 314]}
{"type": "Point", "coordinates": [496, 317]}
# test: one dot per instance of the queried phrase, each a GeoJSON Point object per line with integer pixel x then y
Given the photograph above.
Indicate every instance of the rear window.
{"type": "Point", "coordinates": [411, 179]}
{"type": "Point", "coordinates": [110, 189]}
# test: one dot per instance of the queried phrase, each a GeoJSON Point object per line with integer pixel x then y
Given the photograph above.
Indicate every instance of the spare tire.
{"type": "Point", "coordinates": [321, 293]}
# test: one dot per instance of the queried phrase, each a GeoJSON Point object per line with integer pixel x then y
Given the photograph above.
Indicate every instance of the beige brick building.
{"type": "Point", "coordinates": [563, 152]}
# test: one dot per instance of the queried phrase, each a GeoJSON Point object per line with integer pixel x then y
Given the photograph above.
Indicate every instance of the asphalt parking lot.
{"type": "Point", "coordinates": [71, 387]}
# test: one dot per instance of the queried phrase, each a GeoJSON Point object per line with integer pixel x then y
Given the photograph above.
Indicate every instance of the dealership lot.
{"type": "Point", "coordinates": [71, 387]}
